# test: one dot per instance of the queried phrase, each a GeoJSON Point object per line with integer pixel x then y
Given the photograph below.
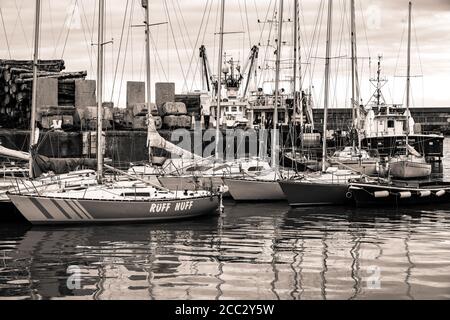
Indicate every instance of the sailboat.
{"type": "Point", "coordinates": [133, 200]}
{"type": "Point", "coordinates": [330, 186]}
{"type": "Point", "coordinates": [412, 164]}
{"type": "Point", "coordinates": [264, 187]}
{"type": "Point", "coordinates": [354, 157]}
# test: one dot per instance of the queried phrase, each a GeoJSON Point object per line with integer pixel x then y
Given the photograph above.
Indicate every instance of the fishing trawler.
{"type": "Point", "coordinates": [389, 128]}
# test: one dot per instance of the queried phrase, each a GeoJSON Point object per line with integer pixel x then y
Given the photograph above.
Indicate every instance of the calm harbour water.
{"type": "Point", "coordinates": [252, 251]}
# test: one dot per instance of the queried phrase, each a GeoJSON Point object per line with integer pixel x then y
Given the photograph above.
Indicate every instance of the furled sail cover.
{"type": "Point", "coordinates": [42, 164]}
{"type": "Point", "coordinates": [155, 140]}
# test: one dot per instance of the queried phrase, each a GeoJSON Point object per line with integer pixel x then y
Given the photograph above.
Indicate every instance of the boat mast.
{"type": "Point", "coordinates": [298, 95]}
{"type": "Point", "coordinates": [100, 57]}
{"type": "Point", "coordinates": [145, 4]}
{"type": "Point", "coordinates": [295, 59]}
{"type": "Point", "coordinates": [327, 83]}
{"type": "Point", "coordinates": [355, 98]}
{"type": "Point", "coordinates": [408, 76]}
{"type": "Point", "coordinates": [219, 75]}
{"type": "Point", "coordinates": [277, 84]}
{"type": "Point", "coordinates": [37, 25]}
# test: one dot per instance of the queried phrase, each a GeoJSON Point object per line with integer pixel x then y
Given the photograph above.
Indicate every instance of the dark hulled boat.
{"type": "Point", "coordinates": [399, 194]}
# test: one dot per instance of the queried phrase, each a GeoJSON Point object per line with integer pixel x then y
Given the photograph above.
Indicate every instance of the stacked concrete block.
{"type": "Point", "coordinates": [135, 93]}
{"type": "Point", "coordinates": [85, 104]}
{"type": "Point", "coordinates": [85, 93]}
{"type": "Point", "coordinates": [164, 92]}
{"type": "Point", "coordinates": [137, 109]}
{"type": "Point", "coordinates": [173, 122]}
{"type": "Point", "coordinates": [173, 109]}
{"type": "Point", "coordinates": [47, 94]}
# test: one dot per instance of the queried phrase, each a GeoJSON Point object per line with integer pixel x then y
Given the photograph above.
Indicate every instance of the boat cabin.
{"type": "Point", "coordinates": [388, 123]}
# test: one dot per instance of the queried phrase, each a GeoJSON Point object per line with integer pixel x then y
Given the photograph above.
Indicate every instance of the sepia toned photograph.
{"type": "Point", "coordinates": [224, 155]}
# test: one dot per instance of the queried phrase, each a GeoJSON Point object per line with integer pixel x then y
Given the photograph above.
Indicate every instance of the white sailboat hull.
{"type": "Point", "coordinates": [254, 190]}
{"type": "Point", "coordinates": [55, 210]}
{"type": "Point", "coordinates": [407, 169]}
{"type": "Point", "coordinates": [364, 167]}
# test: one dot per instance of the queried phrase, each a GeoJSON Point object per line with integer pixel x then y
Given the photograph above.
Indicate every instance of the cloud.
{"type": "Point", "coordinates": [381, 29]}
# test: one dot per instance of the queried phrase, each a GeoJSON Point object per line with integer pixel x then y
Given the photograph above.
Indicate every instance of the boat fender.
{"type": "Point", "coordinates": [349, 195]}
{"type": "Point", "coordinates": [381, 194]}
{"type": "Point", "coordinates": [404, 194]}
{"type": "Point", "coordinates": [440, 193]}
{"type": "Point", "coordinates": [425, 193]}
{"type": "Point", "coordinates": [223, 189]}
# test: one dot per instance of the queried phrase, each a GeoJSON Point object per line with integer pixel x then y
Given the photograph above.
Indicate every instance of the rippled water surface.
{"type": "Point", "coordinates": [252, 251]}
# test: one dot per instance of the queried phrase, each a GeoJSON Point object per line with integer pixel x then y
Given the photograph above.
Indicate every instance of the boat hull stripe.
{"type": "Point", "coordinates": [69, 210]}
{"type": "Point", "coordinates": [74, 209]}
{"type": "Point", "coordinates": [79, 206]}
{"type": "Point", "coordinates": [41, 208]}
{"type": "Point", "coordinates": [61, 209]}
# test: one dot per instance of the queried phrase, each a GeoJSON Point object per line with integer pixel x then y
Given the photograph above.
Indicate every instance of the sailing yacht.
{"type": "Point", "coordinates": [330, 186]}
{"type": "Point", "coordinates": [264, 187]}
{"type": "Point", "coordinates": [355, 159]}
{"type": "Point", "coordinates": [135, 200]}
{"type": "Point", "coordinates": [409, 166]}
{"type": "Point", "coordinates": [412, 164]}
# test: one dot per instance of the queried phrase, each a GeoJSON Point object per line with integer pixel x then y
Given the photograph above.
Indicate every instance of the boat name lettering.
{"type": "Point", "coordinates": [165, 207]}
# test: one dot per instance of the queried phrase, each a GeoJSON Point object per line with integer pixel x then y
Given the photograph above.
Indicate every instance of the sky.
{"type": "Point", "coordinates": [69, 31]}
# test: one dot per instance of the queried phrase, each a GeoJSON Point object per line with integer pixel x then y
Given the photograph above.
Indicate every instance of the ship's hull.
{"type": "Point", "coordinates": [254, 190]}
{"type": "Point", "coordinates": [53, 210]}
{"type": "Point", "coordinates": [405, 169]}
{"type": "Point", "coordinates": [371, 195]}
{"type": "Point", "coordinates": [305, 194]}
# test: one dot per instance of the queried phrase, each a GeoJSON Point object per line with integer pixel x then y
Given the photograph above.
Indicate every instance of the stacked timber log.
{"type": "Point", "coordinates": [16, 82]}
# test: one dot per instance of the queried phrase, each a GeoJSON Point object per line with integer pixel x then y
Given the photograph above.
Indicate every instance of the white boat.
{"type": "Point", "coordinates": [355, 159]}
{"type": "Point", "coordinates": [209, 175]}
{"type": "Point", "coordinates": [131, 201]}
{"type": "Point", "coordinates": [409, 166]}
{"type": "Point", "coordinates": [251, 188]}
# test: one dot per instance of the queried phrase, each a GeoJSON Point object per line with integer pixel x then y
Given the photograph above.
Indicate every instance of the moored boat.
{"type": "Point", "coordinates": [265, 188]}
{"type": "Point", "coordinates": [409, 166]}
{"type": "Point", "coordinates": [355, 159]}
{"type": "Point", "coordinates": [399, 194]}
{"type": "Point", "coordinates": [117, 203]}
{"type": "Point", "coordinates": [133, 200]}
{"type": "Point", "coordinates": [319, 189]}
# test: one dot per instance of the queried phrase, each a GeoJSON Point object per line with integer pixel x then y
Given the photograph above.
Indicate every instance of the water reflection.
{"type": "Point", "coordinates": [251, 252]}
